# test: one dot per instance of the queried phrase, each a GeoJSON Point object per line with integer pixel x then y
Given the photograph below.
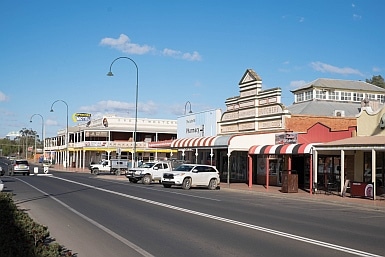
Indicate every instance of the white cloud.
{"type": "Point", "coordinates": [327, 68]}
{"type": "Point", "coordinates": [357, 16]}
{"type": "Point", "coordinates": [301, 19]}
{"type": "Point", "coordinates": [195, 56]}
{"type": "Point", "coordinates": [3, 97]}
{"type": "Point", "coordinates": [124, 44]}
{"type": "Point", "coordinates": [120, 108]}
{"type": "Point", "coordinates": [50, 122]}
{"type": "Point", "coordinates": [376, 69]}
{"type": "Point", "coordinates": [297, 83]}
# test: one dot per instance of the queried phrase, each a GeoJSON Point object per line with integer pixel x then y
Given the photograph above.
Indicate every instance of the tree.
{"type": "Point", "coordinates": [27, 138]}
{"type": "Point", "coordinates": [377, 80]}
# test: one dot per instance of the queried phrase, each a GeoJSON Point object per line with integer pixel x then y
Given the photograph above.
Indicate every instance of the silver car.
{"type": "Point", "coordinates": [20, 167]}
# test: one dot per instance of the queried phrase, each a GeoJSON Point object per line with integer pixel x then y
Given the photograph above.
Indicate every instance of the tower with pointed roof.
{"type": "Point", "coordinates": [254, 110]}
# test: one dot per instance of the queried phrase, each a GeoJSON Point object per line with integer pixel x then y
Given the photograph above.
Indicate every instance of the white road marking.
{"type": "Point", "coordinates": [168, 191]}
{"type": "Point", "coordinates": [108, 231]}
{"type": "Point", "coordinates": [230, 221]}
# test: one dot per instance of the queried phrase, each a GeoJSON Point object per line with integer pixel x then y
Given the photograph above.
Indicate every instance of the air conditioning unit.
{"type": "Point", "coordinates": [339, 113]}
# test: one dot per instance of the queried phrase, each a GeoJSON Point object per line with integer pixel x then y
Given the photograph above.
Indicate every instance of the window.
{"type": "Point", "coordinates": [308, 95]}
{"type": "Point", "coordinates": [346, 96]}
{"type": "Point", "coordinates": [204, 169]}
{"type": "Point", "coordinates": [371, 96]}
{"type": "Point", "coordinates": [334, 95]}
{"type": "Point", "coordinates": [358, 97]}
{"type": "Point", "coordinates": [381, 98]}
{"type": "Point", "coordinates": [299, 97]}
{"type": "Point", "coordinates": [320, 94]}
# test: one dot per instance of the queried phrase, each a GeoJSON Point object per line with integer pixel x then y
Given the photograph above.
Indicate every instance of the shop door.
{"type": "Point", "coordinates": [298, 164]}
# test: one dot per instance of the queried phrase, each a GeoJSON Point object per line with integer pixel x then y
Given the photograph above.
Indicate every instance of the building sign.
{"type": "Point", "coordinates": [201, 124]}
{"type": "Point", "coordinates": [270, 124]}
{"type": "Point", "coordinates": [286, 138]}
{"type": "Point", "coordinates": [96, 134]}
{"type": "Point", "coordinates": [76, 117]}
{"type": "Point", "coordinates": [275, 109]}
{"type": "Point", "coordinates": [247, 126]}
{"type": "Point", "coordinates": [230, 116]}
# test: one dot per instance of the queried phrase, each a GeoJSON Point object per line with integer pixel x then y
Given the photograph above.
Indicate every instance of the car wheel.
{"type": "Point", "coordinates": [117, 173]}
{"type": "Point", "coordinates": [146, 179]}
{"type": "Point", "coordinates": [186, 183]}
{"type": "Point", "coordinates": [213, 184]}
{"type": "Point", "coordinates": [95, 171]}
{"type": "Point", "coordinates": [166, 186]}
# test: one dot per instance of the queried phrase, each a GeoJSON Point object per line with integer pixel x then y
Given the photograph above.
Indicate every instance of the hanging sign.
{"type": "Point", "coordinates": [86, 117]}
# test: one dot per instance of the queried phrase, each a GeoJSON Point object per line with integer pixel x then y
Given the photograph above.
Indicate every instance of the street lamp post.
{"type": "Point", "coordinates": [185, 106]}
{"type": "Point", "coordinates": [66, 136]}
{"type": "Point", "coordinates": [42, 133]}
{"type": "Point", "coordinates": [136, 102]}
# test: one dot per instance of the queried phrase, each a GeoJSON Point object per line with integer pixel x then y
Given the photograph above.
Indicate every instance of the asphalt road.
{"type": "Point", "coordinates": [96, 217]}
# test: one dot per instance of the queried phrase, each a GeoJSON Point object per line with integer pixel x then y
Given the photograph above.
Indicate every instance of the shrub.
{"type": "Point", "coordinates": [22, 237]}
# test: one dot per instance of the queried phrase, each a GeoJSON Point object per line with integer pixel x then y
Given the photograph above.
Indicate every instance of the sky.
{"type": "Point", "coordinates": [186, 51]}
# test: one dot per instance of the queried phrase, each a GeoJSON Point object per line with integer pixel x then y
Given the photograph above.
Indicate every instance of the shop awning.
{"type": "Point", "coordinates": [281, 149]}
{"type": "Point", "coordinates": [202, 142]}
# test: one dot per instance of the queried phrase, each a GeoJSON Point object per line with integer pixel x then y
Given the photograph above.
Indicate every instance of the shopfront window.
{"type": "Point", "coordinates": [329, 170]}
{"type": "Point", "coordinates": [380, 168]}
{"type": "Point", "coordinates": [276, 166]}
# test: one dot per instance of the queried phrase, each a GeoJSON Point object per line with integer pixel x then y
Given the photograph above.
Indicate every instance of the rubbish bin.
{"type": "Point", "coordinates": [289, 182]}
{"type": "Point", "coordinates": [73, 165]}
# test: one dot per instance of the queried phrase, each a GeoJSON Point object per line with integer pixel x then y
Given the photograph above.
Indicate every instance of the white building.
{"type": "Point", "coordinates": [105, 137]}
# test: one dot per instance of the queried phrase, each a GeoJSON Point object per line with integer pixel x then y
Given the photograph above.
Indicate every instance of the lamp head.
{"type": "Point", "coordinates": [51, 110]}
{"type": "Point", "coordinates": [30, 121]}
{"type": "Point", "coordinates": [110, 74]}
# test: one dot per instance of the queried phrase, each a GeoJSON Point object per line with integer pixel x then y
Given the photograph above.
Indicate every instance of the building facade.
{"type": "Point", "coordinates": [111, 137]}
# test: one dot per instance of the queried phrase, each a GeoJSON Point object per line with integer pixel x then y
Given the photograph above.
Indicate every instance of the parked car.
{"type": "Point", "coordinates": [20, 167]}
{"type": "Point", "coordinates": [148, 172]}
{"type": "Point", "coordinates": [192, 175]}
{"type": "Point", "coordinates": [2, 172]}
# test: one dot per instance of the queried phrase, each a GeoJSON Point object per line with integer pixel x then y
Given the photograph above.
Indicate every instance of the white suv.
{"type": "Point", "coordinates": [20, 166]}
{"type": "Point", "coordinates": [192, 175]}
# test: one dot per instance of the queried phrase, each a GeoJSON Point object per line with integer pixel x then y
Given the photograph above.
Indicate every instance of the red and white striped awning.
{"type": "Point", "coordinates": [201, 142]}
{"type": "Point", "coordinates": [281, 149]}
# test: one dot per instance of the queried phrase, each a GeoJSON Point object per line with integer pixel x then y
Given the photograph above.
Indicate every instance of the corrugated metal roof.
{"type": "Point", "coordinates": [324, 108]}
{"type": "Point", "coordinates": [341, 84]}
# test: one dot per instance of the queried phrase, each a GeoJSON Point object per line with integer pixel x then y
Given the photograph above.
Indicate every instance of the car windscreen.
{"type": "Point", "coordinates": [147, 165]}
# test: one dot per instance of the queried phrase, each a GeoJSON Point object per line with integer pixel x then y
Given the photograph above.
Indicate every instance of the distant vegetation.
{"type": "Point", "coordinates": [377, 80]}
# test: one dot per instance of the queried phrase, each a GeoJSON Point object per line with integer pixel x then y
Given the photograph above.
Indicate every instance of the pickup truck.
{"type": "Point", "coordinates": [148, 172]}
{"type": "Point", "coordinates": [113, 166]}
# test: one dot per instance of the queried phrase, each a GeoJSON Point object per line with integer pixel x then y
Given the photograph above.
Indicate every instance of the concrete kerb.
{"type": "Point", "coordinates": [321, 198]}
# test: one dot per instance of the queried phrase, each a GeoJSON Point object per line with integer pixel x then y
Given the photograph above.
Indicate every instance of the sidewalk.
{"type": "Point", "coordinates": [275, 191]}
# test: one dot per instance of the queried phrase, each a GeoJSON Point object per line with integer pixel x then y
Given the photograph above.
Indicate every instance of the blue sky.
{"type": "Point", "coordinates": [193, 51]}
